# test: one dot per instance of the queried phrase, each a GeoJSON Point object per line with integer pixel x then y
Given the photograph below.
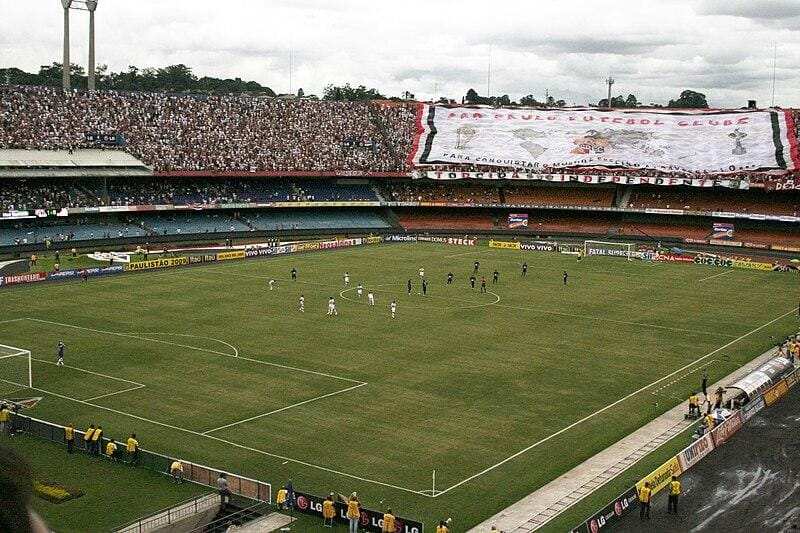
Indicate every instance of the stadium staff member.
{"type": "Point", "coordinates": [5, 416]}
{"type": "Point", "coordinates": [645, 495]}
{"type": "Point", "coordinates": [328, 511]}
{"type": "Point", "coordinates": [388, 522]}
{"type": "Point", "coordinates": [442, 527]}
{"type": "Point", "coordinates": [132, 447]}
{"type": "Point", "coordinates": [353, 512]}
{"type": "Point", "coordinates": [223, 489]}
{"type": "Point", "coordinates": [694, 405]}
{"type": "Point", "coordinates": [111, 449]}
{"type": "Point", "coordinates": [176, 471]}
{"type": "Point", "coordinates": [69, 437]}
{"type": "Point", "coordinates": [87, 438]}
{"type": "Point", "coordinates": [674, 492]}
{"type": "Point", "coordinates": [97, 439]}
{"type": "Point", "coordinates": [280, 499]}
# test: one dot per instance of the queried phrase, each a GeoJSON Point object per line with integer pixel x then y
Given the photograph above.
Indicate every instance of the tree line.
{"type": "Point", "coordinates": [180, 79]}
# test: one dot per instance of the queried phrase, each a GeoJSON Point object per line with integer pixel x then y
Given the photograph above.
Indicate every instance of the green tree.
{"type": "Point", "coordinates": [351, 94]}
{"type": "Point", "coordinates": [690, 99]}
{"type": "Point", "coordinates": [529, 100]}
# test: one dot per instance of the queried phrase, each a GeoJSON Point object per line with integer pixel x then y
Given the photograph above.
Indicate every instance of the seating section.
{"type": "Point", "coordinates": [191, 223]}
{"type": "Point", "coordinates": [424, 219]}
{"type": "Point", "coordinates": [560, 196]}
{"type": "Point", "coordinates": [709, 200]}
{"type": "Point", "coordinates": [453, 192]}
{"type": "Point", "coordinates": [287, 219]}
{"type": "Point", "coordinates": [80, 229]}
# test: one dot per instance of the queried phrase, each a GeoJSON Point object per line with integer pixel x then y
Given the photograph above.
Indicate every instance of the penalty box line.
{"type": "Point", "coordinates": [611, 405]}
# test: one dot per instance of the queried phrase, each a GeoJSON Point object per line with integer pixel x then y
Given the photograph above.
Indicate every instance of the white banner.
{"type": "Point", "coordinates": [593, 179]}
{"type": "Point", "coordinates": [673, 141]}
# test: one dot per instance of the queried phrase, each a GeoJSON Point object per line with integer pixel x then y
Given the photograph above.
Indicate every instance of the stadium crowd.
{"type": "Point", "coordinates": [212, 133]}
{"type": "Point", "coordinates": [234, 133]}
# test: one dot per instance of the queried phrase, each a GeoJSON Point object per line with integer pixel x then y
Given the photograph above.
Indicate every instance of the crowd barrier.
{"type": "Point", "coordinates": [659, 478]}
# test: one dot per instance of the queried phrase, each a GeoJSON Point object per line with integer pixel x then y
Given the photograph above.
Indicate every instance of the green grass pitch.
{"type": "Point", "coordinates": [498, 393]}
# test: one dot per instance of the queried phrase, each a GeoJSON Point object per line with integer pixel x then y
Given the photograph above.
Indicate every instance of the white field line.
{"type": "Point", "coordinates": [197, 348]}
{"type": "Point", "coordinates": [684, 376]}
{"type": "Point", "coordinates": [716, 275]}
{"type": "Point", "coordinates": [298, 404]}
{"type": "Point", "coordinates": [11, 320]}
{"type": "Point", "coordinates": [234, 444]}
{"type": "Point", "coordinates": [92, 372]}
{"type": "Point", "coordinates": [113, 393]}
{"type": "Point", "coordinates": [609, 406]}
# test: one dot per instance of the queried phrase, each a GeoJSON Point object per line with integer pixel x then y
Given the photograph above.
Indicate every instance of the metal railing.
{"type": "Point", "coordinates": [172, 514]}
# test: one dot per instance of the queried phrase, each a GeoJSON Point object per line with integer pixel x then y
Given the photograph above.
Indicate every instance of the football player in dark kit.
{"type": "Point", "coordinates": [477, 265]}
{"type": "Point", "coordinates": [449, 278]}
{"type": "Point", "coordinates": [495, 277]}
{"type": "Point", "coordinates": [565, 277]}
{"type": "Point", "coordinates": [524, 269]}
{"type": "Point", "coordinates": [294, 274]}
{"type": "Point", "coordinates": [408, 286]}
{"type": "Point", "coordinates": [424, 286]}
{"type": "Point", "coordinates": [472, 281]}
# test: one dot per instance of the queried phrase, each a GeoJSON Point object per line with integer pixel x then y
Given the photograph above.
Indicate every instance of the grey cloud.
{"type": "Point", "coordinates": [580, 44]}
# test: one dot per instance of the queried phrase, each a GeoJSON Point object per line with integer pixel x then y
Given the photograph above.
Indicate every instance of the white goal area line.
{"type": "Point", "coordinates": [609, 406]}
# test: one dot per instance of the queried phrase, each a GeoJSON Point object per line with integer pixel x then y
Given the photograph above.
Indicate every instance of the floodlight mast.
{"type": "Point", "coordinates": [65, 78]}
{"type": "Point", "coordinates": [83, 5]}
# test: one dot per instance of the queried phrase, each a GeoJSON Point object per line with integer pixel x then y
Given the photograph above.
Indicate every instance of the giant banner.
{"type": "Point", "coordinates": [669, 140]}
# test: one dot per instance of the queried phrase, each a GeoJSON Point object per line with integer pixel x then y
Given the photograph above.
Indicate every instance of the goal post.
{"type": "Point", "coordinates": [16, 371]}
{"type": "Point", "coordinates": [611, 249]}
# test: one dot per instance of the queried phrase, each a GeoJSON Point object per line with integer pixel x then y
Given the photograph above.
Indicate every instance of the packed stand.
{"type": "Point", "coordinates": [450, 192]}
{"type": "Point", "coordinates": [210, 133]}
{"type": "Point", "coordinates": [28, 195]}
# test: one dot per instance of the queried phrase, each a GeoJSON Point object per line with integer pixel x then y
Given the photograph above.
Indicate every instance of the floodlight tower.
{"type": "Point", "coordinates": [91, 5]}
{"type": "Point", "coordinates": [65, 80]}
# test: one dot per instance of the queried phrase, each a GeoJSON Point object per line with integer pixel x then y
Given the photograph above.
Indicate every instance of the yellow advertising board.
{"type": "Point", "coordinates": [661, 476]}
{"type": "Point", "coordinates": [236, 254]}
{"type": "Point", "coordinates": [506, 245]}
{"type": "Point", "coordinates": [158, 263]}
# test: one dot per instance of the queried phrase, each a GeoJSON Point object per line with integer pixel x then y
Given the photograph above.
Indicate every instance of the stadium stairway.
{"type": "Point", "coordinates": [623, 196]}
{"type": "Point", "coordinates": [237, 512]}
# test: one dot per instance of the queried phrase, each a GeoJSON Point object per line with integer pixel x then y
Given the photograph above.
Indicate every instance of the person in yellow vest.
{"type": "Point", "coordinates": [69, 437]}
{"type": "Point", "coordinates": [111, 449]}
{"type": "Point", "coordinates": [87, 438]}
{"type": "Point", "coordinates": [442, 527]}
{"type": "Point", "coordinates": [674, 492]}
{"type": "Point", "coordinates": [388, 522]}
{"type": "Point", "coordinates": [694, 405]}
{"type": "Point", "coordinates": [645, 494]}
{"type": "Point", "coordinates": [176, 471]}
{"type": "Point", "coordinates": [280, 499]}
{"type": "Point", "coordinates": [709, 422]}
{"type": "Point", "coordinates": [328, 511]}
{"type": "Point", "coordinates": [353, 513]}
{"type": "Point", "coordinates": [97, 440]}
{"type": "Point", "coordinates": [5, 416]}
{"type": "Point", "coordinates": [132, 446]}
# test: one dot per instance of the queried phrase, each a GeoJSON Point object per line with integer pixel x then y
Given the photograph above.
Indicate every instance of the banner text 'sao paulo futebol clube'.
{"type": "Point", "coordinates": [670, 140]}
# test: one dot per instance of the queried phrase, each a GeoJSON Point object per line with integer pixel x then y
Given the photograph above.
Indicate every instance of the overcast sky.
{"type": "Point", "coordinates": [653, 48]}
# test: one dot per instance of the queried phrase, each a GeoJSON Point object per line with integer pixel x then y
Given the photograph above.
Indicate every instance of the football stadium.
{"type": "Point", "coordinates": [225, 307]}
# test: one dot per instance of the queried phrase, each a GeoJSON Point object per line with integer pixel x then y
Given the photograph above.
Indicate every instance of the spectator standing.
{"type": "Point", "coordinates": [69, 437]}
{"type": "Point", "coordinates": [223, 489]}
{"type": "Point", "coordinates": [290, 495]}
{"type": "Point", "coordinates": [353, 512]}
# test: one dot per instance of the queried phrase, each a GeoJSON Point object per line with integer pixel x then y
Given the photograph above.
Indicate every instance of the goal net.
{"type": "Point", "coordinates": [16, 373]}
{"type": "Point", "coordinates": [611, 249]}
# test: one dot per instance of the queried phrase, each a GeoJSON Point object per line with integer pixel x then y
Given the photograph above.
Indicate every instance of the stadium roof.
{"type": "Point", "coordinates": [63, 163]}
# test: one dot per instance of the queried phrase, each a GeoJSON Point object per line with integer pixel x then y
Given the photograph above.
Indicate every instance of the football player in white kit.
{"type": "Point", "coordinates": [393, 307]}
{"type": "Point", "coordinates": [371, 298]}
{"type": "Point", "coordinates": [332, 307]}
{"type": "Point", "coordinates": [360, 290]}
{"type": "Point", "coordinates": [421, 272]}
{"type": "Point", "coordinates": [347, 278]}
{"type": "Point", "coordinates": [271, 284]}
{"type": "Point", "coordinates": [302, 304]}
